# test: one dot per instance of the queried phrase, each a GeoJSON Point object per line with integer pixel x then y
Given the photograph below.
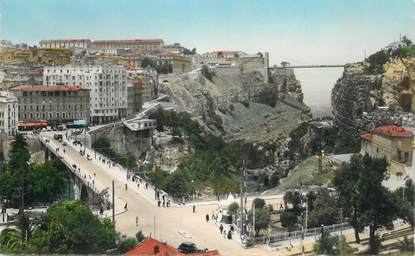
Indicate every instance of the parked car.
{"type": "Point", "coordinates": [188, 247]}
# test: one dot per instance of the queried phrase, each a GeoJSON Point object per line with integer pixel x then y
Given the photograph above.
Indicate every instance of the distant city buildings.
{"type": "Point", "coordinates": [107, 85]}
{"type": "Point", "coordinates": [54, 104]}
{"type": "Point", "coordinates": [233, 58]}
{"type": "Point", "coordinates": [65, 43]}
{"type": "Point", "coordinates": [142, 45]}
{"type": "Point", "coordinates": [8, 113]}
{"type": "Point", "coordinates": [33, 56]}
{"type": "Point", "coordinates": [134, 96]}
{"type": "Point", "coordinates": [148, 80]}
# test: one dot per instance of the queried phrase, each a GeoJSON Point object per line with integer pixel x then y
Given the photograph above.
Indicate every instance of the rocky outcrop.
{"type": "Point", "coordinates": [241, 106]}
{"type": "Point", "coordinates": [354, 93]}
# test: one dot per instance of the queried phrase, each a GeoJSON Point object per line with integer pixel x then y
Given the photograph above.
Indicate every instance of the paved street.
{"type": "Point", "coordinates": [174, 224]}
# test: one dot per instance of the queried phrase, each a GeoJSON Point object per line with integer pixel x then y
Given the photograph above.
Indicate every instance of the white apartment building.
{"type": "Point", "coordinates": [107, 84]}
{"type": "Point", "coordinates": [8, 113]}
{"type": "Point", "coordinates": [65, 43]}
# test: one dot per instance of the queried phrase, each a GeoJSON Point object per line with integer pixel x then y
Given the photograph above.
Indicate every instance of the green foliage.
{"type": "Point", "coordinates": [233, 208]}
{"type": "Point", "coordinates": [288, 219]}
{"type": "Point", "coordinates": [293, 198]}
{"type": "Point", "coordinates": [214, 162]}
{"type": "Point", "coordinates": [259, 203]}
{"type": "Point", "coordinates": [376, 62]}
{"type": "Point", "coordinates": [147, 62]}
{"type": "Point", "coordinates": [324, 210]}
{"type": "Point", "coordinates": [332, 245]}
{"type": "Point", "coordinates": [11, 241]}
{"type": "Point", "coordinates": [262, 219]}
{"type": "Point", "coordinates": [206, 72]}
{"type": "Point", "coordinates": [126, 245]}
{"type": "Point", "coordinates": [405, 197]}
{"type": "Point", "coordinates": [70, 227]}
{"type": "Point", "coordinates": [42, 183]}
{"type": "Point", "coordinates": [363, 198]}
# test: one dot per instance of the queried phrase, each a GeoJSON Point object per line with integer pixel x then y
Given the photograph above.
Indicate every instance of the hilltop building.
{"type": "Point", "coordinates": [56, 104]}
{"type": "Point", "coordinates": [65, 43]}
{"type": "Point", "coordinates": [44, 56]}
{"type": "Point", "coordinates": [142, 45]}
{"type": "Point", "coordinates": [107, 84]}
{"type": "Point", "coordinates": [391, 142]}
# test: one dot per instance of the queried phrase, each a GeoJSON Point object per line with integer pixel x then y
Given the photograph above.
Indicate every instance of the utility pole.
{"type": "Point", "coordinates": [242, 198]}
{"type": "Point", "coordinates": [113, 204]}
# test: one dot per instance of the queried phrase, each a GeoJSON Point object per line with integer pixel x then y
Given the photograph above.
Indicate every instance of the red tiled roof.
{"type": "Point", "coordinates": [394, 131]}
{"type": "Point", "coordinates": [367, 135]}
{"type": "Point", "coordinates": [146, 248]}
{"type": "Point", "coordinates": [43, 88]}
{"type": "Point", "coordinates": [208, 253]}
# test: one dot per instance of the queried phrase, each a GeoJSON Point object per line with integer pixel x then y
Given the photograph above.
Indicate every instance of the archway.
{"type": "Point", "coordinates": [84, 195]}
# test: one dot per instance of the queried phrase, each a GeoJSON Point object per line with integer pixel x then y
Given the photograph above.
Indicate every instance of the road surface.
{"type": "Point", "coordinates": [173, 225]}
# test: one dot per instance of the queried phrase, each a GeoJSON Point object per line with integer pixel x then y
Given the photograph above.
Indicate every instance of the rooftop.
{"type": "Point", "coordinates": [44, 88]}
{"type": "Point", "coordinates": [151, 246]}
{"type": "Point", "coordinates": [388, 130]}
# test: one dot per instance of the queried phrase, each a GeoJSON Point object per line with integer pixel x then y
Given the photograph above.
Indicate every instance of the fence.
{"type": "Point", "coordinates": [296, 234]}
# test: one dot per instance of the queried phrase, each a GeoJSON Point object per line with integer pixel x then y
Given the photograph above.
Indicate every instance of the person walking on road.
{"type": "Point", "coordinates": [194, 208]}
{"type": "Point", "coordinates": [207, 217]}
{"type": "Point", "coordinates": [125, 206]}
{"type": "Point", "coordinates": [136, 221]}
{"type": "Point", "coordinates": [158, 202]}
{"type": "Point", "coordinates": [221, 228]}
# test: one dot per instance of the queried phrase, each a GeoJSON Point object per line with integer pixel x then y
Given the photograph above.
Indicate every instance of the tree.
{"type": "Point", "coordinates": [288, 219]}
{"type": "Point", "coordinates": [293, 198]}
{"type": "Point", "coordinates": [259, 203]}
{"type": "Point", "coordinates": [363, 197]}
{"type": "Point", "coordinates": [332, 245]}
{"type": "Point", "coordinates": [262, 219]}
{"type": "Point", "coordinates": [207, 73]}
{"type": "Point", "coordinates": [126, 245]}
{"type": "Point", "coordinates": [70, 227]}
{"type": "Point", "coordinates": [11, 241]}
{"type": "Point", "coordinates": [233, 208]}
{"type": "Point", "coordinates": [406, 40]}
{"type": "Point", "coordinates": [147, 62]}
{"type": "Point", "coordinates": [325, 211]}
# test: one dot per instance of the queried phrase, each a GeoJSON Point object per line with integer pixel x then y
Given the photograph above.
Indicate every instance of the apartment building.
{"type": "Point", "coordinates": [8, 113]}
{"type": "Point", "coordinates": [65, 43]}
{"type": "Point", "coordinates": [107, 84]}
{"type": "Point", "coordinates": [143, 45]}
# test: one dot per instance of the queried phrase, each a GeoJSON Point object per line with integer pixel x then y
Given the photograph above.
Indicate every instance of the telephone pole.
{"type": "Point", "coordinates": [242, 198]}
{"type": "Point", "coordinates": [113, 204]}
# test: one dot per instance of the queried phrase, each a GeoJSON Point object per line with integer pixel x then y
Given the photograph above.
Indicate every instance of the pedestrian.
{"type": "Point", "coordinates": [125, 206]}
{"type": "Point", "coordinates": [146, 185]}
{"type": "Point", "coordinates": [207, 217]}
{"type": "Point", "coordinates": [224, 233]}
{"type": "Point", "coordinates": [64, 151]}
{"type": "Point", "coordinates": [101, 210]}
{"type": "Point", "coordinates": [164, 203]}
{"type": "Point", "coordinates": [126, 186]}
{"type": "Point", "coordinates": [221, 228]}
{"type": "Point", "coordinates": [281, 206]}
{"type": "Point", "coordinates": [229, 234]}
{"type": "Point", "coordinates": [138, 185]}
{"type": "Point", "coordinates": [168, 203]}
{"type": "Point", "coordinates": [158, 202]}
{"type": "Point", "coordinates": [136, 221]}
{"type": "Point", "coordinates": [194, 208]}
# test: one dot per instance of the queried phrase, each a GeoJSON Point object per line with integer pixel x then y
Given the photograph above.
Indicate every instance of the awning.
{"type": "Point", "coordinates": [79, 122]}
{"type": "Point", "coordinates": [37, 124]}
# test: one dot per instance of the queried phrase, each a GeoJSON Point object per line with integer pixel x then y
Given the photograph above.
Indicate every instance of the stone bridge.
{"type": "Point", "coordinates": [84, 185]}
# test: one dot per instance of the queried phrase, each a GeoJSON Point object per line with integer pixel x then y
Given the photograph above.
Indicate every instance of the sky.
{"type": "Point", "coordinates": [297, 31]}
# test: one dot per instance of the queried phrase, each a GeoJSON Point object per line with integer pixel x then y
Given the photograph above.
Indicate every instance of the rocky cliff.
{"type": "Point", "coordinates": [241, 106]}
{"type": "Point", "coordinates": [361, 100]}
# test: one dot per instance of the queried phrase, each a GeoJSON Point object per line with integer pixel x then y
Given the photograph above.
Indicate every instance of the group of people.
{"type": "Point", "coordinates": [226, 234]}
{"type": "Point", "coordinates": [165, 203]}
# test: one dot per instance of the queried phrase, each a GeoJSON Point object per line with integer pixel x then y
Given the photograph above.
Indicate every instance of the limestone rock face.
{"type": "Point", "coordinates": [360, 100]}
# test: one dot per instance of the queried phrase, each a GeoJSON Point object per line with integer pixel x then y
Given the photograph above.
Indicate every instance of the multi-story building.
{"type": "Point", "coordinates": [175, 48]}
{"type": "Point", "coordinates": [149, 81]}
{"type": "Point", "coordinates": [65, 43]}
{"type": "Point", "coordinates": [143, 45]}
{"type": "Point", "coordinates": [11, 76]}
{"type": "Point", "coordinates": [56, 104]}
{"type": "Point", "coordinates": [221, 57]}
{"type": "Point", "coordinates": [45, 56]}
{"type": "Point", "coordinates": [135, 96]}
{"type": "Point", "coordinates": [8, 113]}
{"type": "Point", "coordinates": [179, 64]}
{"type": "Point", "coordinates": [107, 84]}
{"type": "Point", "coordinates": [390, 142]}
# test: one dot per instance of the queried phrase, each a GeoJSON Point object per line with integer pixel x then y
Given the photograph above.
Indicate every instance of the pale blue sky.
{"type": "Point", "coordinates": [300, 31]}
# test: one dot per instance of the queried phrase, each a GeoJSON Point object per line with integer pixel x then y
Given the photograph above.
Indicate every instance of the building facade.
{"type": "Point", "coordinates": [135, 96]}
{"type": "Point", "coordinates": [44, 56]}
{"type": "Point", "coordinates": [149, 80]}
{"type": "Point", "coordinates": [390, 142]}
{"type": "Point", "coordinates": [143, 45]}
{"type": "Point", "coordinates": [65, 43]}
{"type": "Point", "coordinates": [57, 104]}
{"type": "Point", "coordinates": [107, 84]}
{"type": "Point", "coordinates": [8, 113]}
